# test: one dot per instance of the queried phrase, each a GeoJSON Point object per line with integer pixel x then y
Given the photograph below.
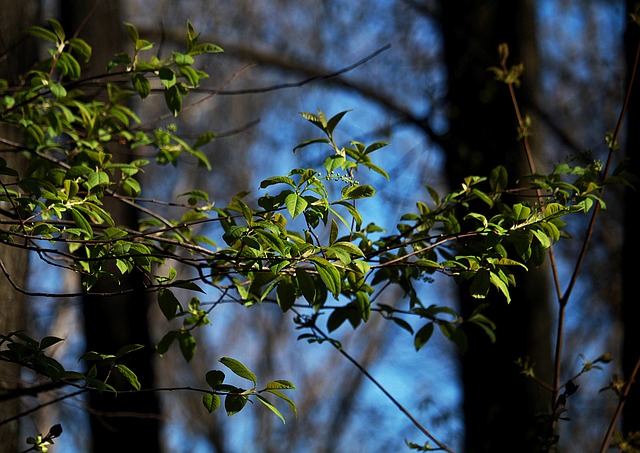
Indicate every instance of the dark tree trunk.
{"type": "Point", "coordinates": [130, 421]}
{"type": "Point", "coordinates": [18, 53]}
{"type": "Point", "coordinates": [630, 306]}
{"type": "Point", "coordinates": [499, 405]}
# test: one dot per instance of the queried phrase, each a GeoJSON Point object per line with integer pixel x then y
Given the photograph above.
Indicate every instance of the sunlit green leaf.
{"type": "Point", "coordinates": [211, 401]}
{"type": "Point", "coordinates": [273, 409]}
{"type": "Point", "coordinates": [356, 192]}
{"type": "Point", "coordinates": [280, 384]}
{"type": "Point", "coordinates": [328, 273]}
{"type": "Point", "coordinates": [129, 375]}
{"type": "Point", "coordinates": [141, 84]}
{"type": "Point", "coordinates": [284, 397]}
{"type": "Point", "coordinates": [238, 368]}
{"type": "Point", "coordinates": [296, 204]}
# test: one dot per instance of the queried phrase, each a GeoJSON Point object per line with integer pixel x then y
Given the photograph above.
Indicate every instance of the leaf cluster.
{"type": "Point", "coordinates": [304, 246]}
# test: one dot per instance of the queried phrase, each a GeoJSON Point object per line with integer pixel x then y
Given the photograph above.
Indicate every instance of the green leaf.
{"type": "Point", "coordinates": [427, 263]}
{"type": "Point", "coordinates": [194, 196]}
{"type": "Point", "coordinates": [337, 318]}
{"type": "Point", "coordinates": [521, 212]}
{"type": "Point", "coordinates": [238, 368]}
{"type": "Point", "coordinates": [4, 170]}
{"type": "Point", "coordinates": [483, 196]}
{"type": "Point", "coordinates": [57, 90]}
{"type": "Point", "coordinates": [332, 163]}
{"type": "Point", "coordinates": [402, 323]}
{"type": "Point", "coordinates": [42, 33]}
{"type": "Point", "coordinates": [333, 122]}
{"type": "Point", "coordinates": [377, 169]}
{"type": "Point", "coordinates": [310, 142]}
{"type": "Point", "coordinates": [364, 305]}
{"type": "Point", "coordinates": [295, 204]}
{"type": "Point", "coordinates": [80, 46]}
{"type": "Point", "coordinates": [319, 120]}
{"type": "Point", "coordinates": [211, 402]}
{"type": "Point", "coordinates": [284, 397]}
{"type": "Point", "coordinates": [204, 47]}
{"type": "Point", "coordinates": [100, 214]}
{"type": "Point", "coordinates": [244, 208]}
{"type": "Point", "coordinates": [280, 384]}
{"type": "Point", "coordinates": [214, 378]}
{"type": "Point", "coordinates": [356, 192]}
{"type": "Point", "coordinates": [183, 59]}
{"type": "Point", "coordinates": [277, 180]}
{"type": "Point", "coordinates": [485, 324]}
{"type": "Point", "coordinates": [306, 285]}
{"type": "Point", "coordinates": [132, 31]}
{"type": "Point", "coordinates": [333, 232]}
{"type": "Point", "coordinates": [129, 375]}
{"type": "Point", "coordinates": [509, 262]}
{"type": "Point", "coordinates": [454, 334]}
{"type": "Point", "coordinates": [338, 253]}
{"type": "Point", "coordinates": [185, 284]}
{"type": "Point", "coordinates": [554, 210]}
{"type": "Point", "coordinates": [187, 345]}
{"type": "Point", "coordinates": [69, 66]}
{"type": "Point", "coordinates": [286, 293]}
{"type": "Point", "coordinates": [97, 179]}
{"type": "Point", "coordinates": [49, 341]}
{"type": "Point", "coordinates": [349, 247]}
{"type": "Point", "coordinates": [81, 221]}
{"type": "Point", "coordinates": [71, 188]}
{"type": "Point", "coordinates": [192, 36]}
{"type": "Point", "coordinates": [480, 284]}
{"type": "Point", "coordinates": [141, 84]}
{"type": "Point", "coordinates": [204, 138]}
{"type": "Point", "coordinates": [163, 345]}
{"type": "Point", "coordinates": [92, 355]}
{"type": "Point", "coordinates": [131, 187]}
{"type": "Point", "coordinates": [502, 286]}
{"type": "Point", "coordinates": [423, 335]}
{"type": "Point", "coordinates": [328, 273]}
{"type": "Point", "coordinates": [128, 349]}
{"type": "Point", "coordinates": [273, 409]}
{"type": "Point", "coordinates": [357, 218]}
{"type": "Point", "coordinates": [498, 179]}
{"type": "Point", "coordinates": [167, 77]}
{"type": "Point", "coordinates": [173, 99]}
{"type": "Point", "coordinates": [234, 403]}
{"type": "Point", "coordinates": [169, 304]}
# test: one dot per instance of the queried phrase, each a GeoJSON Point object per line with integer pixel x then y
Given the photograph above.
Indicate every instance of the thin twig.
{"type": "Point", "coordinates": [299, 83]}
{"type": "Point", "coordinates": [623, 398]}
{"type": "Point", "coordinates": [373, 380]}
{"type": "Point", "coordinates": [42, 406]}
{"type": "Point", "coordinates": [614, 139]}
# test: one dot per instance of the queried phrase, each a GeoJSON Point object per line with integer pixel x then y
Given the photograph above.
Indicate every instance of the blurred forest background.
{"type": "Point", "coordinates": [431, 96]}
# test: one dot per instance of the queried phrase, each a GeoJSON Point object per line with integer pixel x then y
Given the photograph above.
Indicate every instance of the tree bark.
{"type": "Point", "coordinates": [630, 308]}
{"type": "Point", "coordinates": [128, 420]}
{"type": "Point", "coordinates": [499, 405]}
{"type": "Point", "coordinates": [17, 54]}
